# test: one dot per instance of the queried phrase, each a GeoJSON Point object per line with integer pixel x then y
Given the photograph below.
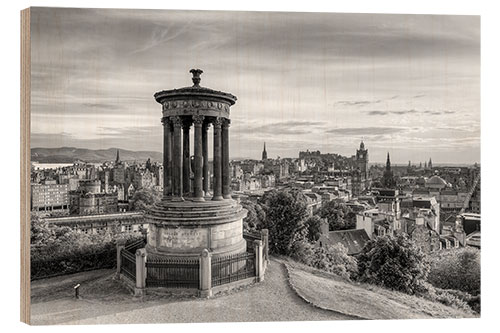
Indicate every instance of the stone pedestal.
{"type": "Point", "coordinates": [185, 229]}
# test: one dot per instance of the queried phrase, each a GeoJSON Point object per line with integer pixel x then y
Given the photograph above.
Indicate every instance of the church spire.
{"type": "Point", "coordinates": [388, 163]}
{"type": "Point", "coordinates": [264, 153]}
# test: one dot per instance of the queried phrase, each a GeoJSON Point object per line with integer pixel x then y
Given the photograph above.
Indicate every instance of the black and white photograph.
{"type": "Point", "coordinates": [207, 166]}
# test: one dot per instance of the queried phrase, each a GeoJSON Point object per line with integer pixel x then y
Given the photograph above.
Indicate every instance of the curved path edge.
{"type": "Point", "coordinates": [295, 290]}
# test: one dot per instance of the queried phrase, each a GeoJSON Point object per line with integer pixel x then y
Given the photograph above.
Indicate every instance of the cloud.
{"type": "Point", "coordinates": [378, 113]}
{"type": "Point", "coordinates": [365, 102]}
{"type": "Point", "coordinates": [410, 111]}
{"type": "Point", "coordinates": [281, 128]}
{"type": "Point", "coordinates": [355, 103]}
{"type": "Point", "coordinates": [102, 106]}
{"type": "Point", "coordinates": [366, 131]}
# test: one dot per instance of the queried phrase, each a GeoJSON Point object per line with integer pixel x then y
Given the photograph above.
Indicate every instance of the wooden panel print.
{"type": "Point", "coordinates": [208, 166]}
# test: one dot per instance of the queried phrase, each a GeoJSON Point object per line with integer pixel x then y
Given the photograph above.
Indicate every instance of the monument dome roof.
{"type": "Point", "coordinates": [194, 91]}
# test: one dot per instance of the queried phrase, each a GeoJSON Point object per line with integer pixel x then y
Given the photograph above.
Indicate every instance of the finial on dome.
{"type": "Point", "coordinates": [196, 76]}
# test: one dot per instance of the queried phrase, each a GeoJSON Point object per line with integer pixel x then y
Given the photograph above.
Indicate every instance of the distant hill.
{"type": "Point", "coordinates": [71, 154]}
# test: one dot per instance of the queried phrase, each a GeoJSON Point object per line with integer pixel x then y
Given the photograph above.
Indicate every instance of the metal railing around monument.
{"type": "Point", "coordinates": [251, 236]}
{"type": "Point", "coordinates": [127, 256]}
{"type": "Point", "coordinates": [172, 272]}
{"type": "Point", "coordinates": [232, 268]}
{"type": "Point", "coordinates": [128, 264]}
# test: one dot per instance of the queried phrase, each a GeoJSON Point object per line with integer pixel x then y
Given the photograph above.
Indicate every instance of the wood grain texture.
{"type": "Point", "coordinates": [25, 164]}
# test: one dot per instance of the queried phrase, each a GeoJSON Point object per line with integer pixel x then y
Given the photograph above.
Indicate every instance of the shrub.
{"type": "Point", "coordinates": [457, 269]}
{"type": "Point", "coordinates": [73, 263]}
{"type": "Point", "coordinates": [453, 298]}
{"type": "Point", "coordinates": [60, 250]}
{"type": "Point", "coordinates": [393, 262]}
{"type": "Point", "coordinates": [302, 251]}
{"type": "Point", "coordinates": [333, 259]}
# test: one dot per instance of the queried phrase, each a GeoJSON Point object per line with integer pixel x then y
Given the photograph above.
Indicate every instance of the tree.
{"type": "Point", "coordinates": [393, 262]}
{"type": "Point", "coordinates": [313, 225]}
{"type": "Point", "coordinates": [339, 216]}
{"type": "Point", "coordinates": [285, 214]}
{"type": "Point", "coordinates": [255, 216]}
{"type": "Point", "coordinates": [144, 199]}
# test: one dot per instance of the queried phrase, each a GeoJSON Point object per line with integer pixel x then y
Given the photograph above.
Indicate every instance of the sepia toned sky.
{"type": "Point", "coordinates": [405, 84]}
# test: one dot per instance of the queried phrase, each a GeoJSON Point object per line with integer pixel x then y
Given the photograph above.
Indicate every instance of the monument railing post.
{"type": "Point", "coordinates": [120, 245]}
{"type": "Point", "coordinates": [205, 274]}
{"type": "Point", "coordinates": [265, 239]}
{"type": "Point", "coordinates": [140, 272]}
{"type": "Point", "coordinates": [259, 268]}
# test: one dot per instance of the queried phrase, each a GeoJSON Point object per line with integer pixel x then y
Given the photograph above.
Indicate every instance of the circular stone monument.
{"type": "Point", "coordinates": [191, 218]}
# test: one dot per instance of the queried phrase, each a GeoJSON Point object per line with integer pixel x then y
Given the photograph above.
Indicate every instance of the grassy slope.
{"type": "Point", "coordinates": [363, 300]}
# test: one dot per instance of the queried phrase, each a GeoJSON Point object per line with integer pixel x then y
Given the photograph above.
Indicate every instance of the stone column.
{"type": "Point", "coordinates": [177, 160]}
{"type": "Point", "coordinates": [204, 139]}
{"type": "Point", "coordinates": [140, 272]}
{"type": "Point", "coordinates": [186, 175]}
{"type": "Point", "coordinates": [198, 158]}
{"type": "Point", "coordinates": [217, 160]}
{"type": "Point", "coordinates": [226, 174]}
{"type": "Point", "coordinates": [167, 157]}
{"type": "Point", "coordinates": [205, 274]}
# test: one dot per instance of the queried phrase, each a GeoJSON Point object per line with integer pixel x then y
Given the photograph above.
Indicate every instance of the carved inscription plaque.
{"type": "Point", "coordinates": [184, 238]}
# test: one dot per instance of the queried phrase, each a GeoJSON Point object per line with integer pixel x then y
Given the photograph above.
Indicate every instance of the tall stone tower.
{"type": "Point", "coordinates": [360, 180]}
{"type": "Point", "coordinates": [264, 153]}
{"type": "Point", "coordinates": [190, 219]}
{"type": "Point", "coordinates": [388, 180]}
{"type": "Point", "coordinates": [362, 160]}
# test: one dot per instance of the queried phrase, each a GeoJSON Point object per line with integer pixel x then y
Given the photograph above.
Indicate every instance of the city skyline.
{"type": "Point", "coordinates": [407, 84]}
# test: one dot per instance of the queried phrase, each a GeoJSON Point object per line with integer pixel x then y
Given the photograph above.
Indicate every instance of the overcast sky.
{"type": "Point", "coordinates": [407, 84]}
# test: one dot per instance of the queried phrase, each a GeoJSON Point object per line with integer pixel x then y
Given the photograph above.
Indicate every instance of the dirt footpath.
{"type": "Point", "coordinates": [105, 301]}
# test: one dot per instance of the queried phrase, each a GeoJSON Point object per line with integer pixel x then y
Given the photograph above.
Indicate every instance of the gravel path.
{"type": "Point", "coordinates": [270, 300]}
